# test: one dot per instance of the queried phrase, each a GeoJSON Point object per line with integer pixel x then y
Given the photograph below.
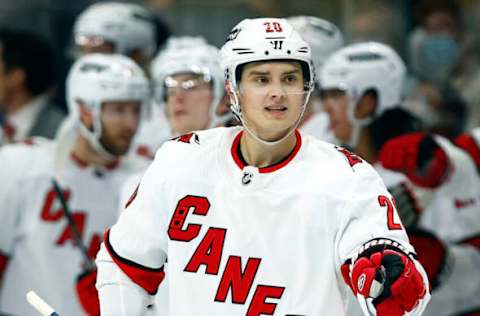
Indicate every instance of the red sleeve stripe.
{"type": "Point", "coordinates": [3, 264]}
{"type": "Point", "coordinates": [468, 143]}
{"type": "Point", "coordinates": [473, 241]}
{"type": "Point", "coordinates": [148, 278]}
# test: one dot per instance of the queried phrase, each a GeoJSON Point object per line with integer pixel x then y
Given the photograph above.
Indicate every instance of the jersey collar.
{"type": "Point", "coordinates": [240, 161]}
{"type": "Point", "coordinates": [83, 164]}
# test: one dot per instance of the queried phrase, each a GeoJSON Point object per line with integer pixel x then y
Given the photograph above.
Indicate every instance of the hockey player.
{"type": "Point", "coordinates": [246, 231]}
{"type": "Point", "coordinates": [121, 28]}
{"type": "Point", "coordinates": [361, 89]}
{"type": "Point", "coordinates": [43, 247]}
{"type": "Point", "coordinates": [188, 86]}
{"type": "Point", "coordinates": [324, 38]}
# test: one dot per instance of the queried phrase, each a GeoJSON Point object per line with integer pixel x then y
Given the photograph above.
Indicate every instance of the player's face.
{"type": "Point", "coordinates": [189, 98]}
{"type": "Point", "coordinates": [119, 123]}
{"type": "Point", "coordinates": [271, 95]}
{"type": "Point", "coordinates": [335, 103]}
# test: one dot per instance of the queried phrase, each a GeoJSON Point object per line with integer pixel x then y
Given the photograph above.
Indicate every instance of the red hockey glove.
{"type": "Point", "coordinates": [87, 293]}
{"type": "Point", "coordinates": [388, 276]}
{"type": "Point", "coordinates": [418, 156]}
{"type": "Point", "coordinates": [432, 254]}
{"type": "Point", "coordinates": [469, 144]}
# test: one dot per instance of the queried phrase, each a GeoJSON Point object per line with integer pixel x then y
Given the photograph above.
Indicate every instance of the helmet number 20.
{"type": "Point", "coordinates": [271, 27]}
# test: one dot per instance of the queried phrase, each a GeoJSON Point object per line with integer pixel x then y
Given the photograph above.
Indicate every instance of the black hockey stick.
{"type": "Point", "coordinates": [88, 262]}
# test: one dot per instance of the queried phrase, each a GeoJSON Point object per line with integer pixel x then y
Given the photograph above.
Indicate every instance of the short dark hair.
{"type": "Point", "coordinates": [33, 54]}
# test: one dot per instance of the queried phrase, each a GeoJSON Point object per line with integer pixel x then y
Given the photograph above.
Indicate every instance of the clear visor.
{"type": "Point", "coordinates": [266, 90]}
{"type": "Point", "coordinates": [83, 44]}
{"type": "Point", "coordinates": [174, 86]}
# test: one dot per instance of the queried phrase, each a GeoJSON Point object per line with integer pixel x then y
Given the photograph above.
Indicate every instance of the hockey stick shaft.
{"type": "Point", "coordinates": [40, 305]}
{"type": "Point", "coordinates": [77, 237]}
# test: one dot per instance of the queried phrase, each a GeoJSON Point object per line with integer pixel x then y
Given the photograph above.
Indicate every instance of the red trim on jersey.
{"type": "Point", "coordinates": [78, 161]}
{"type": "Point", "coordinates": [469, 144]}
{"type": "Point", "coordinates": [148, 278]}
{"type": "Point", "coordinates": [241, 164]}
{"type": "Point", "coordinates": [83, 164]}
{"type": "Point", "coordinates": [473, 241]}
{"type": "Point", "coordinates": [3, 264]}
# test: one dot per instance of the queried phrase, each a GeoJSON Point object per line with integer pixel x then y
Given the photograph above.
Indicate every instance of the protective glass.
{"type": "Point", "coordinates": [174, 86]}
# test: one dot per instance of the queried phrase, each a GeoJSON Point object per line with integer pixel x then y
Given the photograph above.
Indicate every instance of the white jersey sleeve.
{"type": "Point", "coordinates": [370, 220]}
{"type": "Point", "coordinates": [15, 161]}
{"type": "Point", "coordinates": [369, 213]}
{"type": "Point", "coordinates": [137, 236]}
{"type": "Point", "coordinates": [8, 210]}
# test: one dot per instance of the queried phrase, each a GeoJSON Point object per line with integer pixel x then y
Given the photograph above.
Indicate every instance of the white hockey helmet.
{"type": "Point", "coordinates": [128, 26]}
{"type": "Point", "coordinates": [361, 67]}
{"type": "Point", "coordinates": [188, 55]}
{"type": "Point", "coordinates": [323, 36]}
{"type": "Point", "coordinates": [264, 39]}
{"type": "Point", "coordinates": [98, 78]}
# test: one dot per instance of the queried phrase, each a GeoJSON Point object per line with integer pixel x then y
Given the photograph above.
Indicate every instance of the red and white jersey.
{"type": "Point", "coordinates": [454, 216]}
{"type": "Point", "coordinates": [454, 213]}
{"type": "Point", "coordinates": [451, 212]}
{"type": "Point", "coordinates": [242, 240]}
{"type": "Point", "coordinates": [35, 234]}
{"type": "Point", "coordinates": [152, 134]}
{"type": "Point", "coordinates": [318, 125]}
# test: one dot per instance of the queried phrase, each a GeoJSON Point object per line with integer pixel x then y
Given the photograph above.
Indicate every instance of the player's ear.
{"type": "Point", "coordinates": [367, 104]}
{"type": "Point", "coordinates": [230, 91]}
{"type": "Point", "coordinates": [86, 116]}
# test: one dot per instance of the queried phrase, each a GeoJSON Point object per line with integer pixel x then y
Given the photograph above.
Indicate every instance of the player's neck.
{"type": "Point", "coordinates": [261, 155]}
{"type": "Point", "coordinates": [85, 152]}
{"type": "Point", "coordinates": [365, 148]}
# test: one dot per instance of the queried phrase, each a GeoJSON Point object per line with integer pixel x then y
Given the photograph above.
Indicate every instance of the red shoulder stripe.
{"type": "Point", "coordinates": [468, 143]}
{"type": "Point", "coordinates": [473, 241]}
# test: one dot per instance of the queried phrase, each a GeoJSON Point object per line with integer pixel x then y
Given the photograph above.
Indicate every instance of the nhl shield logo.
{"type": "Point", "coordinates": [247, 178]}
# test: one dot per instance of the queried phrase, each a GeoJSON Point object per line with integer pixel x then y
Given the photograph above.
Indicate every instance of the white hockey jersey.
{"type": "Point", "coordinates": [152, 134]}
{"type": "Point", "coordinates": [452, 212]}
{"type": "Point", "coordinates": [35, 234]}
{"type": "Point", "coordinates": [454, 216]}
{"type": "Point", "coordinates": [318, 125]}
{"type": "Point", "coordinates": [242, 240]}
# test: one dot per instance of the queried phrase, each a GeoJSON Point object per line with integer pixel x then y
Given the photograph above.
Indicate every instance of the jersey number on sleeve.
{"type": "Point", "coordinates": [385, 201]}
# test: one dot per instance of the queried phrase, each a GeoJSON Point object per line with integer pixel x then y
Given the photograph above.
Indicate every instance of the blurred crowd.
{"type": "Point", "coordinates": [134, 85]}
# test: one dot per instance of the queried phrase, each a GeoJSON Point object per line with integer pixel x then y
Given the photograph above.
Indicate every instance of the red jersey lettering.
{"type": "Point", "coordinates": [240, 282]}
{"type": "Point", "coordinates": [208, 252]}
